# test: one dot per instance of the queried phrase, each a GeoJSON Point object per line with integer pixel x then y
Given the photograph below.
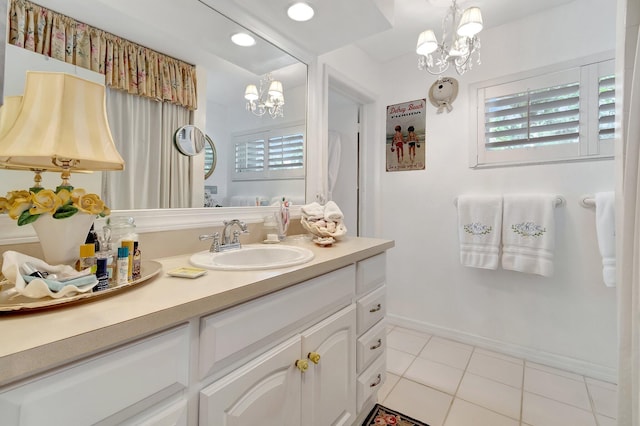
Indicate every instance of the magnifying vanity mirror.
{"type": "Point", "coordinates": [224, 71]}
{"type": "Point", "coordinates": [189, 140]}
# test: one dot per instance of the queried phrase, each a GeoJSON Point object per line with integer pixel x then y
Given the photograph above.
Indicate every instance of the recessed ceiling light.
{"type": "Point", "coordinates": [300, 12]}
{"type": "Point", "coordinates": [243, 39]}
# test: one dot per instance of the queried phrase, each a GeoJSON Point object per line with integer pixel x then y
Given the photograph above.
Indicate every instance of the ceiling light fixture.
{"type": "Point", "coordinates": [459, 46]}
{"type": "Point", "coordinates": [268, 97]}
{"type": "Point", "coordinates": [243, 39]}
{"type": "Point", "coordinates": [300, 12]}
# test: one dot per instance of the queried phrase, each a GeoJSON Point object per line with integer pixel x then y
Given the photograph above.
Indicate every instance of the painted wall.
{"type": "Point", "coordinates": [568, 320]}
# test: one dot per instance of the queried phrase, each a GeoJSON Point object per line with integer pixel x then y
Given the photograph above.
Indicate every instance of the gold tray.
{"type": "Point", "coordinates": [10, 302]}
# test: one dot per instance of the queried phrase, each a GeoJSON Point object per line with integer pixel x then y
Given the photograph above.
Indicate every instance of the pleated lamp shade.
{"type": "Point", "coordinates": [61, 124]}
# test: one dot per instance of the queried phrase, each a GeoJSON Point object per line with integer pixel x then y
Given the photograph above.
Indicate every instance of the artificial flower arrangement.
{"type": "Point", "coordinates": [65, 201]}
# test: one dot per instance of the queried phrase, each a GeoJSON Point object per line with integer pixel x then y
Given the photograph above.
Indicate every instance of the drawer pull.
{"type": "Point", "coordinates": [377, 345]}
{"type": "Point", "coordinates": [314, 357]}
{"type": "Point", "coordinates": [376, 309]}
{"type": "Point", "coordinates": [302, 365]}
{"type": "Point", "coordinates": [377, 382]}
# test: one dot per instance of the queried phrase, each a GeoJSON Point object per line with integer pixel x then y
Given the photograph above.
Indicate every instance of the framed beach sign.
{"type": "Point", "coordinates": [406, 144]}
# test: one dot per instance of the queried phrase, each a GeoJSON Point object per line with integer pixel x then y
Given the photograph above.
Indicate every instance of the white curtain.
{"type": "Point", "coordinates": [156, 175]}
{"type": "Point", "coordinates": [629, 261]}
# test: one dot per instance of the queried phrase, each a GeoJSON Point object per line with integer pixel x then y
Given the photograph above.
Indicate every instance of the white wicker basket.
{"type": "Point", "coordinates": [312, 227]}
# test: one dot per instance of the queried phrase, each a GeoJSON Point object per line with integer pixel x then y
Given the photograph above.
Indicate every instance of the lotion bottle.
{"type": "Point", "coordinates": [123, 266]}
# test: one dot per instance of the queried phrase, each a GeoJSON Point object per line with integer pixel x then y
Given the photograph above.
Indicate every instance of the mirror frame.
{"type": "Point", "coordinates": [208, 145]}
{"type": "Point", "coordinates": [158, 220]}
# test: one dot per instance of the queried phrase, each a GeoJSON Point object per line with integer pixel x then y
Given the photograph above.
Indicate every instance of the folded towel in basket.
{"type": "Point", "coordinates": [528, 233]}
{"type": "Point", "coordinates": [312, 211]}
{"type": "Point", "coordinates": [479, 227]}
{"type": "Point", "coordinates": [332, 212]}
{"type": "Point", "coordinates": [606, 234]}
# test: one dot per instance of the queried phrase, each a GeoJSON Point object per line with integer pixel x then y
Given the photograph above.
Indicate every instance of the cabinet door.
{"type": "Point", "coordinates": [264, 392]}
{"type": "Point", "coordinates": [328, 389]}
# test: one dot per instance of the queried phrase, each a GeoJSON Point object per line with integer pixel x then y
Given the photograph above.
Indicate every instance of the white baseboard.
{"type": "Point", "coordinates": [600, 372]}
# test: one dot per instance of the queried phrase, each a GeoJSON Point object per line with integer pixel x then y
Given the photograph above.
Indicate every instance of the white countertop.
{"type": "Point", "coordinates": [35, 341]}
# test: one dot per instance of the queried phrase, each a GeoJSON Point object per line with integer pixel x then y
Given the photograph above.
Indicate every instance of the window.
{"type": "Point", "coordinates": [560, 115]}
{"type": "Point", "coordinates": [270, 154]}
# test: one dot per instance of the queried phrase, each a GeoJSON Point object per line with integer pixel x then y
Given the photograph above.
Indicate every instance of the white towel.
{"type": "Point", "coordinates": [332, 212]}
{"type": "Point", "coordinates": [312, 211]}
{"type": "Point", "coordinates": [606, 233]}
{"type": "Point", "coordinates": [479, 227]}
{"type": "Point", "coordinates": [528, 233]}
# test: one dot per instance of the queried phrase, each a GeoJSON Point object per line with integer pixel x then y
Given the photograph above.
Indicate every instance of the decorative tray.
{"type": "Point", "coordinates": [10, 301]}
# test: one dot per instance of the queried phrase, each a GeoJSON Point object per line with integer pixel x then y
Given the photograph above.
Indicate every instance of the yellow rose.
{"type": "Point", "coordinates": [90, 203]}
{"type": "Point", "coordinates": [4, 205]}
{"type": "Point", "coordinates": [13, 196]}
{"type": "Point", "coordinates": [19, 206]}
{"type": "Point", "coordinates": [77, 194]}
{"type": "Point", "coordinates": [45, 201]}
{"type": "Point", "coordinates": [64, 195]}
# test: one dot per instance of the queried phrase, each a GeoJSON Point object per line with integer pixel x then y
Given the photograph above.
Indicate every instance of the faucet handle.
{"type": "Point", "coordinates": [236, 237]}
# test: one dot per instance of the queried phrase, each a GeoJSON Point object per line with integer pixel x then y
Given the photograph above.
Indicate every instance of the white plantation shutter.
{"type": "Point", "coordinates": [270, 154]}
{"type": "Point", "coordinates": [606, 107]}
{"type": "Point", "coordinates": [250, 156]}
{"type": "Point", "coordinates": [546, 117]}
{"type": "Point", "coordinates": [286, 152]}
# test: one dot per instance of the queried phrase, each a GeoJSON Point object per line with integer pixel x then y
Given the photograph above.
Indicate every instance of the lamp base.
{"type": "Point", "coordinates": [60, 239]}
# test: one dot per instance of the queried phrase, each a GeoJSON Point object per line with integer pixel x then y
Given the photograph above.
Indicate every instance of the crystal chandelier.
{"type": "Point", "coordinates": [459, 44]}
{"type": "Point", "coordinates": [268, 97]}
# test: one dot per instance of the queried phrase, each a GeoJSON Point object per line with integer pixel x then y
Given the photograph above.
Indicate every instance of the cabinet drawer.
{"type": "Point", "coordinates": [227, 336]}
{"type": "Point", "coordinates": [371, 380]}
{"type": "Point", "coordinates": [370, 345]}
{"type": "Point", "coordinates": [91, 391]}
{"type": "Point", "coordinates": [371, 309]}
{"type": "Point", "coordinates": [371, 273]}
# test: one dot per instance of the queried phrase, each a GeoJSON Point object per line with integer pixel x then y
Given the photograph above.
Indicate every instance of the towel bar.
{"type": "Point", "coordinates": [560, 201]}
{"type": "Point", "coordinates": [587, 201]}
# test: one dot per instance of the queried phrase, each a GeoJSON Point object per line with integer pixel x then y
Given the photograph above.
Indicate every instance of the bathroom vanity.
{"type": "Point", "coordinates": [303, 345]}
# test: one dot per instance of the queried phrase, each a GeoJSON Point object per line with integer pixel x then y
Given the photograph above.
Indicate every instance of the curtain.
{"type": "Point", "coordinates": [629, 261]}
{"type": "Point", "coordinates": [126, 65]}
{"type": "Point", "coordinates": [156, 175]}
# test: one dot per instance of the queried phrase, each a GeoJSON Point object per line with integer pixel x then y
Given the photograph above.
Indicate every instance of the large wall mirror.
{"type": "Point", "coordinates": [193, 31]}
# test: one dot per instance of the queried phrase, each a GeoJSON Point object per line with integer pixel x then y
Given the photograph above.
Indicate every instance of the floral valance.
{"type": "Point", "coordinates": [127, 66]}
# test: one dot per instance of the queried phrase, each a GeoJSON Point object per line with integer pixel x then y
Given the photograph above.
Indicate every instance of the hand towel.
{"type": "Point", "coordinates": [312, 211]}
{"type": "Point", "coordinates": [606, 234]}
{"type": "Point", "coordinates": [36, 288]}
{"type": "Point", "coordinates": [332, 212]}
{"type": "Point", "coordinates": [528, 233]}
{"type": "Point", "coordinates": [479, 227]}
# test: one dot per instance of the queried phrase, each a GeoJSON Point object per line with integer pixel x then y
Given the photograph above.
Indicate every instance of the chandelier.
{"type": "Point", "coordinates": [459, 44]}
{"type": "Point", "coordinates": [268, 97]}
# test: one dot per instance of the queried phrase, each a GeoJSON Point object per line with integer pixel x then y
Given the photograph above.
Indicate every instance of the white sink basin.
{"type": "Point", "coordinates": [253, 257]}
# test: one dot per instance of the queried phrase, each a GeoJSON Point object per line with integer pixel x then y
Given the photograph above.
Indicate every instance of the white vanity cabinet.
{"type": "Point", "coordinates": [371, 343]}
{"type": "Point", "coordinates": [107, 388]}
{"type": "Point", "coordinates": [308, 351]}
{"type": "Point", "coordinates": [307, 379]}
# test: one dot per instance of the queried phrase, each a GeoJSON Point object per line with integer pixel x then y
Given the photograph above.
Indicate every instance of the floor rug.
{"type": "Point", "coordinates": [383, 416]}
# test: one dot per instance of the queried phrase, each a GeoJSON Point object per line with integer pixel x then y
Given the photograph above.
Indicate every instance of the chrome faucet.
{"type": "Point", "coordinates": [227, 243]}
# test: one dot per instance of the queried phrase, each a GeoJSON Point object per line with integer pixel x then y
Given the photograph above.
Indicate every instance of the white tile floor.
{"type": "Point", "coordinates": [447, 383]}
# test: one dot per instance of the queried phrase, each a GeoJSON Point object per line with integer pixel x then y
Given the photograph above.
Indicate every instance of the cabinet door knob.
{"type": "Point", "coordinates": [314, 357]}
{"type": "Point", "coordinates": [376, 309]}
{"type": "Point", "coordinates": [302, 365]}
{"type": "Point", "coordinates": [377, 345]}
{"type": "Point", "coordinates": [377, 382]}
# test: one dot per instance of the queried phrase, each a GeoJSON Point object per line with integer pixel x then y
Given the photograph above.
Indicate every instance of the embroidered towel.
{"type": "Point", "coordinates": [528, 233]}
{"type": "Point", "coordinates": [479, 227]}
{"type": "Point", "coordinates": [606, 234]}
{"type": "Point", "coordinates": [332, 212]}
